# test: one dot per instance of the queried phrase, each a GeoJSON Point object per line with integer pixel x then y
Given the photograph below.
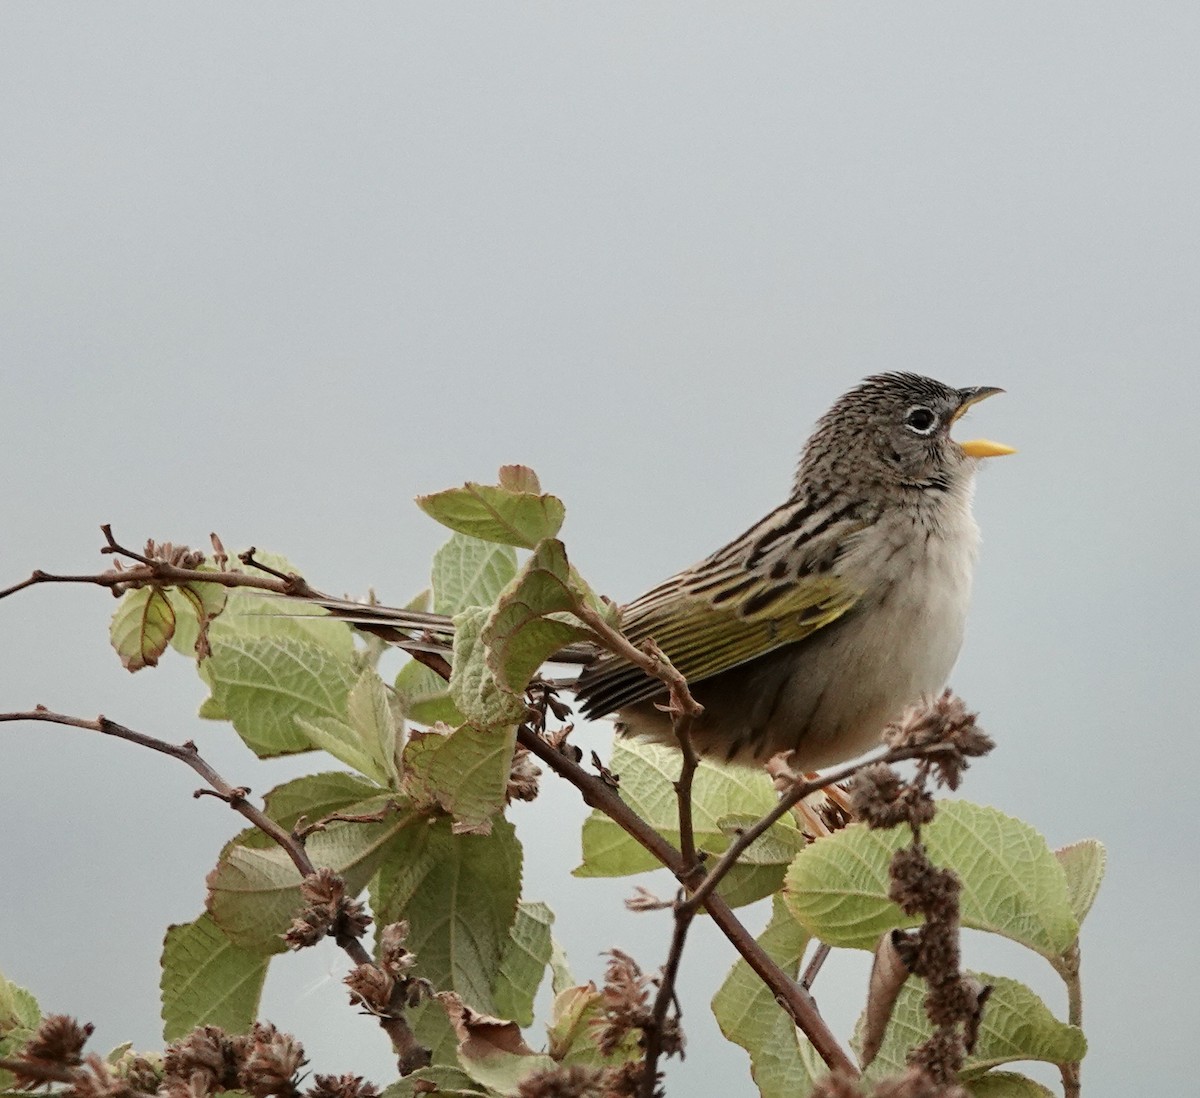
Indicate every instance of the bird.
{"type": "Point", "coordinates": [824, 621]}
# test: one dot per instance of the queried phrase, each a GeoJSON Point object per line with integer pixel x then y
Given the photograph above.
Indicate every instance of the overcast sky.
{"type": "Point", "coordinates": [274, 269]}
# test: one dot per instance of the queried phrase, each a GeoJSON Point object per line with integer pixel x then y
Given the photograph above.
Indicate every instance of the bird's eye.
{"type": "Point", "coordinates": [920, 420]}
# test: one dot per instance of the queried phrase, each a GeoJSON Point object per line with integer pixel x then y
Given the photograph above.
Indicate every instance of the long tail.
{"type": "Point", "coordinates": [415, 631]}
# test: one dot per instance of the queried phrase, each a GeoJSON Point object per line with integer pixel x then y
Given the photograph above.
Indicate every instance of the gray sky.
{"type": "Point", "coordinates": [274, 269]}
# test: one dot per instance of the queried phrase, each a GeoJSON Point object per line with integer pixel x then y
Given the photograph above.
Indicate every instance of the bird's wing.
{"type": "Point", "coordinates": [776, 585]}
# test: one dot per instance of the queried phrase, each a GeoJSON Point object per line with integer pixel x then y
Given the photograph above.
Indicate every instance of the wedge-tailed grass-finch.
{"type": "Point", "coordinates": [820, 624]}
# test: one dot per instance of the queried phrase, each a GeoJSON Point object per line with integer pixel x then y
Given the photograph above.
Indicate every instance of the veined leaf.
{"type": "Point", "coordinates": [142, 627]}
{"type": "Point", "coordinates": [524, 962]}
{"type": "Point", "coordinates": [254, 893]}
{"type": "Point", "coordinates": [721, 796]}
{"type": "Point", "coordinates": [520, 635]}
{"type": "Point", "coordinates": [424, 696]}
{"type": "Point", "coordinates": [1016, 1025]}
{"type": "Point", "coordinates": [1012, 884]}
{"type": "Point", "coordinates": [468, 571]}
{"type": "Point", "coordinates": [1083, 862]}
{"type": "Point", "coordinates": [496, 514]}
{"type": "Point", "coordinates": [264, 683]}
{"type": "Point", "coordinates": [463, 771]}
{"type": "Point", "coordinates": [207, 980]}
{"type": "Point", "coordinates": [459, 894]}
{"type": "Point", "coordinates": [473, 687]}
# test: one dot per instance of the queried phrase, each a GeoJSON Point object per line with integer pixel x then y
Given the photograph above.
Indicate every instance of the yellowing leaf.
{"type": "Point", "coordinates": [142, 627]}
{"type": "Point", "coordinates": [1083, 862]}
{"type": "Point", "coordinates": [496, 514]}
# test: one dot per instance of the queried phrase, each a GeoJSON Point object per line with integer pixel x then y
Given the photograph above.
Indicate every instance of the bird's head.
{"type": "Point", "coordinates": [894, 429]}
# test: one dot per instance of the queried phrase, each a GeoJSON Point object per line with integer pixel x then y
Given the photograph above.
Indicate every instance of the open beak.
{"type": "Point", "coordinates": [979, 447]}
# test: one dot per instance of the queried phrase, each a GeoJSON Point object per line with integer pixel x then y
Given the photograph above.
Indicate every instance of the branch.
{"type": "Point", "coordinates": [396, 1027]}
{"type": "Point", "coordinates": [150, 570]}
{"type": "Point", "coordinates": [794, 999]}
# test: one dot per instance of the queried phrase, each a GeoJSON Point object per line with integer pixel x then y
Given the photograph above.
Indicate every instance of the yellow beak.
{"type": "Point", "coordinates": [980, 447]}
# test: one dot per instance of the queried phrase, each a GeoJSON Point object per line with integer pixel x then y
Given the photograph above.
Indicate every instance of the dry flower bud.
{"type": "Point", "coordinates": [940, 1057]}
{"type": "Point", "coordinates": [341, 1086]}
{"type": "Point", "coordinates": [394, 958]}
{"type": "Point", "coordinates": [920, 887]}
{"type": "Point", "coordinates": [57, 1042]}
{"type": "Point", "coordinates": [522, 778]}
{"type": "Point", "coordinates": [96, 1079]}
{"type": "Point", "coordinates": [272, 1063]}
{"type": "Point", "coordinates": [624, 1001]}
{"type": "Point", "coordinates": [203, 1061]}
{"type": "Point", "coordinates": [575, 1081]}
{"type": "Point", "coordinates": [370, 987]}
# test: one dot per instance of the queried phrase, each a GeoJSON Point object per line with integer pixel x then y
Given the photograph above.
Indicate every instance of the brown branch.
{"type": "Point", "coordinates": [789, 800]}
{"type": "Point", "coordinates": [794, 999]}
{"type": "Point", "coordinates": [663, 1000]}
{"type": "Point", "coordinates": [683, 710]}
{"type": "Point", "coordinates": [403, 1040]}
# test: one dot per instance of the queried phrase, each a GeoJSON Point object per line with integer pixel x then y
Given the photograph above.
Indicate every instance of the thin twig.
{"type": "Point", "coordinates": [396, 1027]}
{"type": "Point", "coordinates": [814, 966]}
{"type": "Point", "coordinates": [663, 1000]}
{"type": "Point", "coordinates": [1068, 966]}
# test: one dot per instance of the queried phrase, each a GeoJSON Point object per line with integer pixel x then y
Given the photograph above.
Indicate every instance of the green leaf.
{"type": "Point", "coordinates": [473, 687]}
{"type": "Point", "coordinates": [424, 696]}
{"type": "Point", "coordinates": [142, 627]}
{"type": "Point", "coordinates": [1016, 1025]}
{"type": "Point", "coordinates": [338, 739]}
{"type": "Point", "coordinates": [19, 1018]}
{"type": "Point", "coordinates": [496, 514]}
{"type": "Point", "coordinates": [1084, 863]}
{"type": "Point", "coordinates": [519, 636]}
{"type": "Point", "coordinates": [19, 1010]}
{"type": "Point", "coordinates": [560, 968]}
{"type": "Point", "coordinates": [746, 1011]}
{"type": "Point", "coordinates": [210, 711]}
{"type": "Point", "coordinates": [265, 683]}
{"type": "Point", "coordinates": [252, 613]}
{"type": "Point", "coordinates": [459, 894]}
{"type": "Point", "coordinates": [722, 797]}
{"type": "Point", "coordinates": [1006, 1084]}
{"type": "Point", "coordinates": [207, 980]}
{"type": "Point", "coordinates": [1012, 883]}
{"type": "Point", "coordinates": [524, 962]}
{"type": "Point", "coordinates": [463, 772]}
{"type": "Point", "coordinates": [367, 739]}
{"type": "Point", "coordinates": [254, 893]}
{"type": "Point", "coordinates": [312, 796]}
{"type": "Point", "coordinates": [470, 572]}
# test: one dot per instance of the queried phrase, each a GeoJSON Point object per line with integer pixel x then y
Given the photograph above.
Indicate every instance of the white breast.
{"type": "Point", "coordinates": [902, 642]}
